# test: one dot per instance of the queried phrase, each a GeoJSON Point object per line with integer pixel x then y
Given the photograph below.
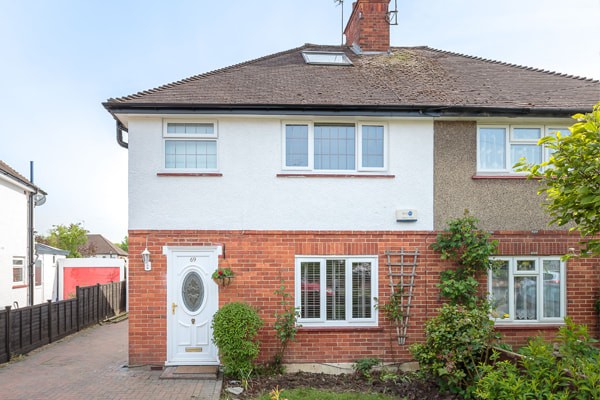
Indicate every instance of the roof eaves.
{"type": "Point", "coordinates": [425, 110]}
{"type": "Point", "coordinates": [7, 170]}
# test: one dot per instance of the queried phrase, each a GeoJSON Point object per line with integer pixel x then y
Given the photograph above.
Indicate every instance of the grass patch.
{"type": "Point", "coordinates": [314, 394]}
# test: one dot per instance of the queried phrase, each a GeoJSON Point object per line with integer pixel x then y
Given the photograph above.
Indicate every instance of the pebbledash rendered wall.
{"type": "Point", "coordinates": [261, 260]}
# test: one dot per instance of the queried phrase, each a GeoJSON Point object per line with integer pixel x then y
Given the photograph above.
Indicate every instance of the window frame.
{"type": "Point", "coordinates": [509, 130]}
{"type": "Point", "coordinates": [349, 321]}
{"type": "Point", "coordinates": [22, 267]}
{"type": "Point", "coordinates": [38, 272]}
{"type": "Point", "coordinates": [199, 137]}
{"type": "Point", "coordinates": [358, 138]}
{"type": "Point", "coordinates": [538, 272]}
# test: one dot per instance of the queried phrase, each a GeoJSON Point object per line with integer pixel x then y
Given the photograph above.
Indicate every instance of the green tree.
{"type": "Point", "coordinates": [570, 178]}
{"type": "Point", "coordinates": [124, 244]}
{"type": "Point", "coordinates": [68, 238]}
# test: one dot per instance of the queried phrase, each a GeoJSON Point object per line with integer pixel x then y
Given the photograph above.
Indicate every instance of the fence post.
{"type": "Point", "coordinates": [77, 296]}
{"type": "Point", "coordinates": [50, 321]}
{"type": "Point", "coordinates": [97, 303]}
{"type": "Point", "coordinates": [8, 329]}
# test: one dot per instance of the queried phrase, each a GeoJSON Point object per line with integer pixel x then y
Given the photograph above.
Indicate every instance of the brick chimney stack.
{"type": "Point", "coordinates": [368, 26]}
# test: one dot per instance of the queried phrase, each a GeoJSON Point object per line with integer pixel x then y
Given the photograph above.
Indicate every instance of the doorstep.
{"type": "Point", "coordinates": [206, 372]}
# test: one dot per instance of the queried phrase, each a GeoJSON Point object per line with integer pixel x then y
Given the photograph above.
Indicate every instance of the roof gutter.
{"type": "Point", "coordinates": [120, 129]}
{"type": "Point", "coordinates": [342, 109]}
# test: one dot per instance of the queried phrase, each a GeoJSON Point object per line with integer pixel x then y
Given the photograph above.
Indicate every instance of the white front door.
{"type": "Point", "coordinates": [192, 300]}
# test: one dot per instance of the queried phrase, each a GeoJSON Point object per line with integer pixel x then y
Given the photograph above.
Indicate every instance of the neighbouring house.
{"type": "Point", "coordinates": [100, 247]}
{"type": "Point", "coordinates": [330, 169]}
{"type": "Point", "coordinates": [89, 271]}
{"type": "Point", "coordinates": [18, 198]}
{"type": "Point", "coordinates": [47, 272]}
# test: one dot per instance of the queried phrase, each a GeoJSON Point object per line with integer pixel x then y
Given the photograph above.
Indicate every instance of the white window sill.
{"type": "Point", "coordinates": [323, 328]}
{"type": "Point", "coordinates": [335, 175]}
{"type": "Point", "coordinates": [481, 175]}
{"type": "Point", "coordinates": [174, 173]}
{"type": "Point", "coordinates": [529, 325]}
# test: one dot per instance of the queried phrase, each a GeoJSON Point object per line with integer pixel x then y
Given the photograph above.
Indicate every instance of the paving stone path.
{"type": "Point", "coordinates": [92, 364]}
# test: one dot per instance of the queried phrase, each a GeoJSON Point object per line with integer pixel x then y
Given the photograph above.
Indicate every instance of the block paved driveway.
{"type": "Point", "coordinates": [92, 364]}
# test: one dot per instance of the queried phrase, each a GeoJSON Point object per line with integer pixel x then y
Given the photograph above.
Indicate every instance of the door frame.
{"type": "Point", "coordinates": [171, 252]}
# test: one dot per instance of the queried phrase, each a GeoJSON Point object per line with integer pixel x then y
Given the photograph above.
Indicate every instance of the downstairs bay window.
{"type": "Point", "coordinates": [528, 289]}
{"type": "Point", "coordinates": [336, 291]}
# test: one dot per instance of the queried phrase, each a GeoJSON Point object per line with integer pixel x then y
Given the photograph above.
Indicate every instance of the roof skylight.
{"type": "Point", "coordinates": [326, 58]}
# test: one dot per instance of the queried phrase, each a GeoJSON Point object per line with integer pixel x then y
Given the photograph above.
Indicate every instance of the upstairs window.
{"type": "Point", "coordinates": [528, 289]}
{"type": "Point", "coordinates": [190, 146]}
{"type": "Point", "coordinates": [335, 147]}
{"type": "Point", "coordinates": [336, 291]}
{"type": "Point", "coordinates": [500, 147]}
{"type": "Point", "coordinates": [18, 269]}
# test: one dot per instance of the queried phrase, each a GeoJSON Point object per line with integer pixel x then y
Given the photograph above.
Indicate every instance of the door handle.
{"type": "Point", "coordinates": [173, 307]}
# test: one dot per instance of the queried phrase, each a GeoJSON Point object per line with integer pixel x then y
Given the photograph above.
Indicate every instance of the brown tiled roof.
{"type": "Point", "coordinates": [9, 171]}
{"type": "Point", "coordinates": [407, 78]}
{"type": "Point", "coordinates": [98, 244]}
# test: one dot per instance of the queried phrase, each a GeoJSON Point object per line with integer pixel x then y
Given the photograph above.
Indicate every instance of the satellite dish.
{"type": "Point", "coordinates": [39, 199]}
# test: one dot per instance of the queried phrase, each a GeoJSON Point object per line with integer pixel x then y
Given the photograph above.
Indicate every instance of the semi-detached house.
{"type": "Point", "coordinates": [315, 167]}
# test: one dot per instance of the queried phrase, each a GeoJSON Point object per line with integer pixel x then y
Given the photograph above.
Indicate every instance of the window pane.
{"type": "Point", "coordinates": [190, 128]}
{"type": "Point", "coordinates": [361, 290]}
{"type": "Point", "coordinates": [500, 289]}
{"type": "Point", "coordinates": [552, 132]}
{"type": "Point", "coordinates": [17, 274]}
{"type": "Point", "coordinates": [527, 134]}
{"type": "Point", "coordinates": [334, 147]}
{"type": "Point", "coordinates": [492, 148]}
{"type": "Point", "coordinates": [531, 152]}
{"type": "Point", "coordinates": [372, 146]}
{"type": "Point", "coordinates": [296, 145]}
{"type": "Point", "coordinates": [310, 290]}
{"type": "Point", "coordinates": [336, 289]}
{"type": "Point", "coordinates": [551, 271]}
{"type": "Point", "coordinates": [38, 273]}
{"type": "Point", "coordinates": [200, 154]}
{"type": "Point", "coordinates": [525, 298]}
{"type": "Point", "coordinates": [526, 265]}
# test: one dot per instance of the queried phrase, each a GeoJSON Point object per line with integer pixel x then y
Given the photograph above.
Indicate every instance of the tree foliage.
{"type": "Point", "coordinates": [69, 238]}
{"type": "Point", "coordinates": [124, 245]}
{"type": "Point", "coordinates": [570, 178]}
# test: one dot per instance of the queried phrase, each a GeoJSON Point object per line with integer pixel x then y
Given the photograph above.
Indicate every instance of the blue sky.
{"type": "Point", "coordinates": [62, 58]}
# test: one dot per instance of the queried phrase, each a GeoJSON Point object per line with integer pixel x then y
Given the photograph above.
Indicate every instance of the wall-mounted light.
{"type": "Point", "coordinates": [146, 259]}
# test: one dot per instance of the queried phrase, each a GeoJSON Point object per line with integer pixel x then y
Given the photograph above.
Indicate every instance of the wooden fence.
{"type": "Point", "coordinates": [25, 329]}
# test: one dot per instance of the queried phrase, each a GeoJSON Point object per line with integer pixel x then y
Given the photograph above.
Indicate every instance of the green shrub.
{"type": "Point", "coordinates": [457, 341]}
{"type": "Point", "coordinates": [568, 370]}
{"type": "Point", "coordinates": [235, 327]}
{"type": "Point", "coordinates": [364, 366]}
{"type": "Point", "coordinates": [285, 324]}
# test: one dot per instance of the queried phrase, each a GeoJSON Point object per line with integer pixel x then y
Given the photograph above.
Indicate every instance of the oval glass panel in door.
{"type": "Point", "coordinates": [192, 291]}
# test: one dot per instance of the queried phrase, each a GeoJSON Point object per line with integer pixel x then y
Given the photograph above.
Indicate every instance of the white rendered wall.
{"type": "Point", "coordinates": [13, 241]}
{"type": "Point", "coordinates": [249, 195]}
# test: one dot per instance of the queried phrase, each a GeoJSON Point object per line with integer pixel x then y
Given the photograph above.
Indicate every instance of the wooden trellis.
{"type": "Point", "coordinates": [402, 266]}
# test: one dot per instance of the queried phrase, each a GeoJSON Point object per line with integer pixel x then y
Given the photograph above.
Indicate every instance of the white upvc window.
{"type": "Point", "coordinates": [528, 289]}
{"type": "Point", "coordinates": [190, 145]}
{"type": "Point", "coordinates": [336, 290]}
{"type": "Point", "coordinates": [18, 264]}
{"type": "Point", "coordinates": [500, 147]}
{"type": "Point", "coordinates": [335, 147]}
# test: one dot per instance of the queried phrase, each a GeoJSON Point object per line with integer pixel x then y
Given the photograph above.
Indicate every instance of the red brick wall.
{"type": "Point", "coordinates": [368, 26]}
{"type": "Point", "coordinates": [262, 259]}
